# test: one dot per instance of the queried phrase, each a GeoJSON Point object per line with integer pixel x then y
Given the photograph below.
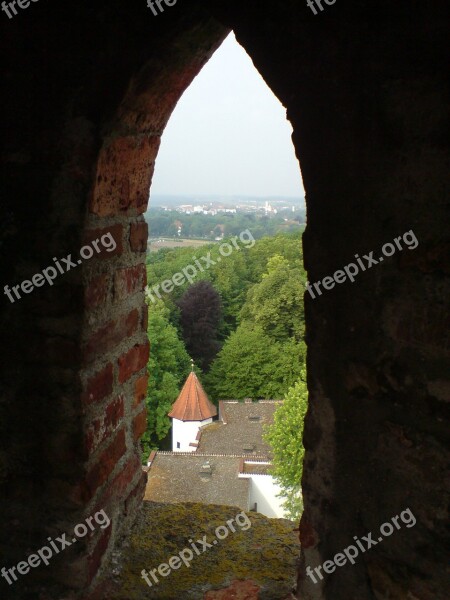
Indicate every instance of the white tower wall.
{"type": "Point", "coordinates": [185, 433]}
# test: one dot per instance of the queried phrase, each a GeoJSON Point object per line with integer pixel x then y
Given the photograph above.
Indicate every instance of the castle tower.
{"type": "Point", "coordinates": [191, 411]}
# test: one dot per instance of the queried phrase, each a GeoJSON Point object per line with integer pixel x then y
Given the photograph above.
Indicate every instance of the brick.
{"type": "Point", "coordinates": [139, 425]}
{"type": "Point", "coordinates": [100, 549]}
{"type": "Point", "coordinates": [129, 281]}
{"type": "Point", "coordinates": [136, 495]}
{"type": "Point", "coordinates": [111, 334]}
{"type": "Point", "coordinates": [99, 386]}
{"type": "Point", "coordinates": [97, 291]}
{"type": "Point", "coordinates": [103, 427]}
{"type": "Point", "coordinates": [308, 535]}
{"type": "Point", "coordinates": [116, 232]}
{"type": "Point", "coordinates": [119, 485]}
{"type": "Point", "coordinates": [144, 317]}
{"type": "Point", "coordinates": [133, 361]}
{"type": "Point", "coordinates": [140, 390]}
{"type": "Point", "coordinates": [138, 237]}
{"type": "Point", "coordinates": [124, 172]}
{"type": "Point", "coordinates": [105, 464]}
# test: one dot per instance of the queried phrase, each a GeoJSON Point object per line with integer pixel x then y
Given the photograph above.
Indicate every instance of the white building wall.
{"type": "Point", "coordinates": [263, 491]}
{"type": "Point", "coordinates": [185, 432]}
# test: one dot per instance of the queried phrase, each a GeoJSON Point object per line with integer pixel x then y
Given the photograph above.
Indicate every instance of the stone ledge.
{"type": "Point", "coordinates": [259, 563]}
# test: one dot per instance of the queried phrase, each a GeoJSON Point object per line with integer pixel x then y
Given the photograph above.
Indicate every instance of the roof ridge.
{"type": "Point", "coordinates": [252, 402]}
{"type": "Point", "coordinates": [197, 399]}
{"type": "Point", "coordinates": [169, 453]}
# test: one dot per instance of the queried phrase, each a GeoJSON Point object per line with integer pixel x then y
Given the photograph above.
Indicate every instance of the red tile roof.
{"type": "Point", "coordinates": [193, 404]}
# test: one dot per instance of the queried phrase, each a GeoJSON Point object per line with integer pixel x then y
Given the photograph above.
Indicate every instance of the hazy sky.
{"type": "Point", "coordinates": [228, 135]}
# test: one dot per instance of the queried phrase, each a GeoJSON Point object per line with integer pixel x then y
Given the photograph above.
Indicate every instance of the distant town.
{"type": "Point", "coordinates": [218, 204]}
{"type": "Point", "coordinates": [214, 218]}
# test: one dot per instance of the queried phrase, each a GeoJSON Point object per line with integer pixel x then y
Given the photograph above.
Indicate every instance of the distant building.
{"type": "Point", "coordinates": [186, 208]}
{"type": "Point", "coordinates": [224, 461]}
{"type": "Point", "coordinates": [268, 209]}
{"type": "Point", "coordinates": [191, 411]}
{"type": "Point", "coordinates": [232, 211]}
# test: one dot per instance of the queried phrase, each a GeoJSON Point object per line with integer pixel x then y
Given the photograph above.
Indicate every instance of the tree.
{"type": "Point", "coordinates": [168, 366]}
{"type": "Point", "coordinates": [287, 245]}
{"type": "Point", "coordinates": [200, 317]}
{"type": "Point", "coordinates": [285, 438]}
{"type": "Point", "coordinates": [276, 303]}
{"type": "Point", "coordinates": [252, 365]}
{"type": "Point", "coordinates": [230, 279]}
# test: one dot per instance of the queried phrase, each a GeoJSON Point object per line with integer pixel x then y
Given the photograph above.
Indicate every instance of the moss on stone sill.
{"type": "Point", "coordinates": [266, 553]}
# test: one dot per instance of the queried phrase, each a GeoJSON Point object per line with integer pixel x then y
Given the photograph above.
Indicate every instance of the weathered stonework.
{"type": "Point", "coordinates": [265, 553]}
{"type": "Point", "coordinates": [90, 89]}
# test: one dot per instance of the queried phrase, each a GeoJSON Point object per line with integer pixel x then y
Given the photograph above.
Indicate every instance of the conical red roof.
{"type": "Point", "coordinates": [193, 404]}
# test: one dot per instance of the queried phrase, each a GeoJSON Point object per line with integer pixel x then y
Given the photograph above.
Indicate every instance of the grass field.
{"type": "Point", "coordinates": [155, 245]}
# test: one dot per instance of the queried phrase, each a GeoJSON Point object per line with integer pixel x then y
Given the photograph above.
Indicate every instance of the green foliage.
{"type": "Point", "coordinates": [265, 354]}
{"type": "Point", "coordinates": [168, 366]}
{"type": "Point", "coordinates": [276, 303]}
{"type": "Point", "coordinates": [231, 281]}
{"type": "Point", "coordinates": [285, 438]}
{"type": "Point", "coordinates": [252, 365]}
{"type": "Point", "coordinates": [286, 245]}
{"type": "Point", "coordinates": [232, 276]}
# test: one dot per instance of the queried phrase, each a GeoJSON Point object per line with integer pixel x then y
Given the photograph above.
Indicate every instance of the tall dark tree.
{"type": "Point", "coordinates": [200, 317]}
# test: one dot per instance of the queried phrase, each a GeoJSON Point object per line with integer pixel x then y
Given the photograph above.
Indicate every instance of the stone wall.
{"type": "Point", "coordinates": [90, 88]}
{"type": "Point", "coordinates": [82, 130]}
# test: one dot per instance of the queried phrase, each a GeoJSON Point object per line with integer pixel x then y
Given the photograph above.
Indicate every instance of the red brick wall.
{"type": "Point", "coordinates": [115, 347]}
{"type": "Point", "coordinates": [79, 144]}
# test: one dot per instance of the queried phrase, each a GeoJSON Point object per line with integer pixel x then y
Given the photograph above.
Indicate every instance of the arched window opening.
{"type": "Point", "coordinates": [225, 291]}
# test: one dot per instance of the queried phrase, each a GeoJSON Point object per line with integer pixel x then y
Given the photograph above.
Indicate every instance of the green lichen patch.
{"type": "Point", "coordinates": [265, 552]}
